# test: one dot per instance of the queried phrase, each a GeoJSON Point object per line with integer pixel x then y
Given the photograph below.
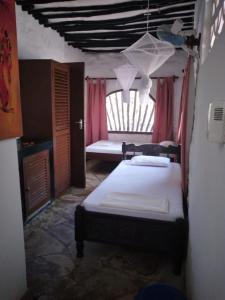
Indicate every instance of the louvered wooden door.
{"type": "Point", "coordinates": [36, 180]}
{"type": "Point", "coordinates": [61, 126]}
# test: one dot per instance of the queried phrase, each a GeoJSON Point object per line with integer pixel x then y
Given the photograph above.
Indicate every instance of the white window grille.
{"type": "Point", "coordinates": [213, 25]}
{"type": "Point", "coordinates": [129, 117]}
{"type": "Point", "coordinates": [218, 16]}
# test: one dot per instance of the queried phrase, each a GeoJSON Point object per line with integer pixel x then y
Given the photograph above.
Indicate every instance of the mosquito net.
{"type": "Point", "coordinates": [147, 55]}
{"type": "Point", "coordinates": [144, 89]}
{"type": "Point", "coordinates": [125, 74]}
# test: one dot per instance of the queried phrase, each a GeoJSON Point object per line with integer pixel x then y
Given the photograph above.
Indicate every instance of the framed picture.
{"type": "Point", "coordinates": [10, 110]}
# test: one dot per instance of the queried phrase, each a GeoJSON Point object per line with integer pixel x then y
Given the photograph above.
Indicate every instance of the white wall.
{"type": "Point", "coordinates": [206, 257]}
{"type": "Point", "coordinates": [103, 64]}
{"type": "Point", "coordinates": [38, 42]}
{"type": "Point", "coordinates": [12, 256]}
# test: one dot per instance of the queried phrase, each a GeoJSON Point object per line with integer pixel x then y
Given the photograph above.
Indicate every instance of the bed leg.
{"type": "Point", "coordinates": [179, 253]}
{"type": "Point", "coordinates": [80, 249]}
{"type": "Point", "coordinates": [177, 265]}
{"type": "Point", "coordinates": [79, 227]}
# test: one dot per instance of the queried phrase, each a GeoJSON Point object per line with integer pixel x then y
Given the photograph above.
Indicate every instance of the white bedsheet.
{"type": "Point", "coordinates": [104, 146]}
{"type": "Point", "coordinates": [154, 182]}
{"type": "Point", "coordinates": [135, 202]}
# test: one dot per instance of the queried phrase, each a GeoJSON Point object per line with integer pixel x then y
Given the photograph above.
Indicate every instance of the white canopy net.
{"type": "Point", "coordinates": [147, 55]}
{"type": "Point", "coordinates": [125, 75]}
{"type": "Point", "coordinates": [144, 89]}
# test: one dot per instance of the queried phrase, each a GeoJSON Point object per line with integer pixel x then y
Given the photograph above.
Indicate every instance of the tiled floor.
{"type": "Point", "coordinates": [104, 273]}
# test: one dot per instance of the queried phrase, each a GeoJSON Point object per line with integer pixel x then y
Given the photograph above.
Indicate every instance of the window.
{"type": "Point", "coordinates": [132, 117]}
{"type": "Point", "coordinates": [213, 25]}
{"type": "Point", "coordinates": [218, 13]}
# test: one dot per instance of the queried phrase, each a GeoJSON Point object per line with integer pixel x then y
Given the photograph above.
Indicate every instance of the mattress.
{"type": "Point", "coordinates": [105, 146]}
{"type": "Point", "coordinates": [155, 182]}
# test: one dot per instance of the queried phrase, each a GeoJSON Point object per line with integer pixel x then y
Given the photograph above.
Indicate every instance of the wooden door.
{"type": "Point", "coordinates": [61, 126]}
{"type": "Point", "coordinates": [77, 117]}
{"type": "Point", "coordinates": [62, 161]}
{"type": "Point", "coordinates": [36, 181]}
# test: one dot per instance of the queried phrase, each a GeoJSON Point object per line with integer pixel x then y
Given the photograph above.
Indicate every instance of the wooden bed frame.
{"type": "Point", "coordinates": [168, 237]}
{"type": "Point", "coordinates": [104, 156]}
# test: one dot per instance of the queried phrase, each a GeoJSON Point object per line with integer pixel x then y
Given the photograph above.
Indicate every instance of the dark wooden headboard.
{"type": "Point", "coordinates": [172, 152]}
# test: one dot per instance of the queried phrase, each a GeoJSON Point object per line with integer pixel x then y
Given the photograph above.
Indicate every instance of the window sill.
{"type": "Point", "coordinates": [130, 132]}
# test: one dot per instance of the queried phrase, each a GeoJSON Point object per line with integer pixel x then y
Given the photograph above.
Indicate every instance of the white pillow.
{"type": "Point", "coordinates": [168, 143]}
{"type": "Point", "coordinates": [145, 160]}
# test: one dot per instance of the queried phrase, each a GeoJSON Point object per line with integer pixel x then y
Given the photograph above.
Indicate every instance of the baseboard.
{"type": "Point", "coordinates": [27, 296]}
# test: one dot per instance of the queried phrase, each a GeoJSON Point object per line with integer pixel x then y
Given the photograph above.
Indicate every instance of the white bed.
{"type": "Point", "coordinates": [164, 232]}
{"type": "Point", "coordinates": [106, 150]}
{"type": "Point", "coordinates": [154, 182]}
{"type": "Point", "coordinates": [105, 146]}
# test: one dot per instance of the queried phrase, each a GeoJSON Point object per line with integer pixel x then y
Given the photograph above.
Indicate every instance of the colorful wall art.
{"type": "Point", "coordinates": [10, 112]}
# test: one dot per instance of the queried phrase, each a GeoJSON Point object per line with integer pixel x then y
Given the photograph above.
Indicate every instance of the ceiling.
{"type": "Point", "coordinates": [107, 26]}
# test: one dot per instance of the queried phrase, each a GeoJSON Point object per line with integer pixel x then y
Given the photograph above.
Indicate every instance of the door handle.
{"type": "Point", "coordinates": [81, 124]}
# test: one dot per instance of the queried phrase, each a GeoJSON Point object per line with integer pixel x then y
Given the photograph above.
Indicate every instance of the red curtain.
{"type": "Point", "coordinates": [182, 125]}
{"type": "Point", "coordinates": [163, 119]}
{"type": "Point", "coordinates": [96, 128]}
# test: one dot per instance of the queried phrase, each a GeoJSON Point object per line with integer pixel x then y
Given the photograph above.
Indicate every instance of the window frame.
{"type": "Point", "coordinates": [130, 132]}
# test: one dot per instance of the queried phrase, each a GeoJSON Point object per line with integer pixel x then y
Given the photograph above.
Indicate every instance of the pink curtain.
{"type": "Point", "coordinates": [163, 119]}
{"type": "Point", "coordinates": [96, 128]}
{"type": "Point", "coordinates": [182, 126]}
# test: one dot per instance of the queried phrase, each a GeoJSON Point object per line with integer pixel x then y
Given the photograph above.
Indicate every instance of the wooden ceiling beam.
{"type": "Point", "coordinates": [109, 35]}
{"type": "Point", "coordinates": [120, 21]}
{"type": "Point", "coordinates": [75, 13]}
{"type": "Point", "coordinates": [65, 28]}
{"type": "Point", "coordinates": [94, 7]}
{"type": "Point", "coordinates": [103, 34]}
{"type": "Point", "coordinates": [101, 50]}
{"type": "Point", "coordinates": [109, 38]}
{"type": "Point", "coordinates": [190, 10]}
{"type": "Point", "coordinates": [130, 4]}
{"type": "Point", "coordinates": [153, 2]}
{"type": "Point", "coordinates": [124, 28]}
{"type": "Point", "coordinates": [118, 50]}
{"type": "Point", "coordinates": [25, 2]}
{"type": "Point", "coordinates": [103, 43]}
{"type": "Point", "coordinates": [98, 23]}
{"type": "Point", "coordinates": [81, 14]}
{"type": "Point", "coordinates": [27, 7]}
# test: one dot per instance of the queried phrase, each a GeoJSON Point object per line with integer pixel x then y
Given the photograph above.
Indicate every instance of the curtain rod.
{"type": "Point", "coordinates": [114, 78]}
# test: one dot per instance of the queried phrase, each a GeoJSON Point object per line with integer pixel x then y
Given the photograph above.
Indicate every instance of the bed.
{"type": "Point", "coordinates": [152, 231]}
{"type": "Point", "coordinates": [105, 150]}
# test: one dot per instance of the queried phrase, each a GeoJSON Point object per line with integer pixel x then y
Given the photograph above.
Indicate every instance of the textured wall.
{"type": "Point", "coordinates": [12, 256]}
{"type": "Point", "coordinates": [36, 41]}
{"type": "Point", "coordinates": [206, 258]}
{"type": "Point", "coordinates": [103, 64]}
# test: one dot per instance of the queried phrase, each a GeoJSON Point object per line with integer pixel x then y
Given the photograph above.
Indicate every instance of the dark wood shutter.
{"type": "Point", "coordinates": [61, 126]}
{"type": "Point", "coordinates": [61, 96]}
{"type": "Point", "coordinates": [36, 180]}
